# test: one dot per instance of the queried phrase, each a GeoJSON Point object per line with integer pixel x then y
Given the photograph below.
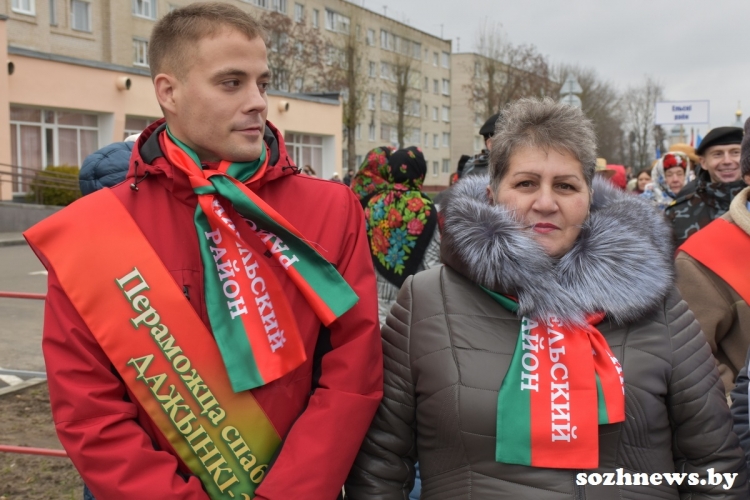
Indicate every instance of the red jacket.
{"type": "Point", "coordinates": [321, 410]}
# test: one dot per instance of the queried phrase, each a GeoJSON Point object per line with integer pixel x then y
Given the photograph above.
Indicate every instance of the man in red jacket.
{"type": "Point", "coordinates": [212, 180]}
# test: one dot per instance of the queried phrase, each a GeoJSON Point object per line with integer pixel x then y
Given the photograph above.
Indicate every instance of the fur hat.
{"type": "Point", "coordinates": [745, 155]}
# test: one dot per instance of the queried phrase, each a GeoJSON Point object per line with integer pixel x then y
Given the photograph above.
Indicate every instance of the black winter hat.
{"type": "Point", "coordinates": [720, 136]}
{"type": "Point", "coordinates": [745, 154]}
{"type": "Point", "coordinates": [488, 129]}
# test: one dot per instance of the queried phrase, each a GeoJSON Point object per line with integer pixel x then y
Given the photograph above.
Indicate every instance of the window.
{"type": "Point", "coordinates": [446, 166]}
{"type": "Point", "coordinates": [385, 132]}
{"type": "Point", "coordinates": [426, 84]}
{"type": "Point", "coordinates": [435, 86]}
{"type": "Point", "coordinates": [435, 167]}
{"type": "Point", "coordinates": [358, 131]}
{"type": "Point", "coordinates": [53, 12]}
{"type": "Point", "coordinates": [477, 69]}
{"type": "Point", "coordinates": [278, 5]}
{"type": "Point", "coordinates": [23, 7]}
{"type": "Point", "coordinates": [416, 134]}
{"type": "Point", "coordinates": [140, 52]}
{"type": "Point", "coordinates": [435, 57]}
{"type": "Point", "coordinates": [387, 101]}
{"type": "Point", "coordinates": [446, 139]}
{"type": "Point", "coordinates": [315, 16]}
{"type": "Point", "coordinates": [144, 8]}
{"type": "Point", "coordinates": [80, 15]}
{"type": "Point", "coordinates": [435, 141]}
{"type": "Point", "coordinates": [371, 132]}
{"type": "Point", "coordinates": [41, 138]}
{"type": "Point", "coordinates": [426, 139]}
{"type": "Point", "coordinates": [299, 13]}
{"type": "Point", "coordinates": [446, 87]}
{"type": "Point", "coordinates": [371, 101]}
{"type": "Point", "coordinates": [434, 114]}
{"type": "Point", "coordinates": [337, 22]}
{"type": "Point", "coordinates": [426, 111]}
{"type": "Point", "coordinates": [373, 70]}
{"type": "Point", "coordinates": [306, 149]}
{"type": "Point", "coordinates": [134, 125]}
{"type": "Point", "coordinates": [446, 60]}
{"type": "Point", "coordinates": [446, 114]}
{"type": "Point", "coordinates": [426, 55]}
{"type": "Point", "coordinates": [370, 40]}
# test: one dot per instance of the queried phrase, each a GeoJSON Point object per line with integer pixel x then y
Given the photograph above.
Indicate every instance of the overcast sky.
{"type": "Point", "coordinates": [695, 49]}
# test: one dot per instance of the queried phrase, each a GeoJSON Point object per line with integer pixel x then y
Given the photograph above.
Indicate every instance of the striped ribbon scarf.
{"type": "Point", "coordinates": [563, 382]}
{"type": "Point", "coordinates": [250, 315]}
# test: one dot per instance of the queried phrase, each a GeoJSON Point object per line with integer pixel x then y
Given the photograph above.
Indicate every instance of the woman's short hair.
{"type": "Point", "coordinates": [543, 124]}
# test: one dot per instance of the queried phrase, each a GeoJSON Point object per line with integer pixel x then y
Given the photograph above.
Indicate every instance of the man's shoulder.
{"type": "Point", "coordinates": [323, 192]}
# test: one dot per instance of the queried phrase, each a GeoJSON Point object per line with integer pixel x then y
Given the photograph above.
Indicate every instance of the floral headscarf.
{"type": "Point", "coordinates": [371, 174]}
{"type": "Point", "coordinates": [400, 218]}
{"type": "Point", "coordinates": [658, 190]}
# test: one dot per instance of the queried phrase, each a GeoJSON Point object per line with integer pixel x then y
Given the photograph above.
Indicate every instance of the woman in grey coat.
{"type": "Point", "coordinates": [551, 357]}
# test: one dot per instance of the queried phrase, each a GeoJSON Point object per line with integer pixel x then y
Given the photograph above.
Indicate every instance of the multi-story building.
{"type": "Point", "coordinates": [468, 117]}
{"type": "Point", "coordinates": [78, 79]}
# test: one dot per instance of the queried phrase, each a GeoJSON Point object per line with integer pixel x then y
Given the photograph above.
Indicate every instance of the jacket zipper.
{"type": "Point", "coordinates": [579, 491]}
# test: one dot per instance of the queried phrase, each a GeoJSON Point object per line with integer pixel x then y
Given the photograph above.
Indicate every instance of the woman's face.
{"type": "Point", "coordinates": [675, 177]}
{"type": "Point", "coordinates": [548, 191]}
{"type": "Point", "coordinates": [643, 179]}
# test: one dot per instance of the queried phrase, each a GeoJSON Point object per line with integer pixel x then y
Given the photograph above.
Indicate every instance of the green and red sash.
{"type": "Point", "coordinates": [723, 247]}
{"type": "Point", "coordinates": [249, 312]}
{"type": "Point", "coordinates": [563, 382]}
{"type": "Point", "coordinates": [158, 343]}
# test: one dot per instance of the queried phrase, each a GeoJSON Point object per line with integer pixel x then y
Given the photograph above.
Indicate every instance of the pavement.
{"type": "Point", "coordinates": [21, 319]}
{"type": "Point", "coordinates": [11, 239]}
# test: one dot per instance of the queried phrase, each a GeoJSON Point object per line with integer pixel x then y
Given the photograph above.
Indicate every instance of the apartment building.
{"type": "Point", "coordinates": [468, 118]}
{"type": "Point", "coordinates": [77, 79]}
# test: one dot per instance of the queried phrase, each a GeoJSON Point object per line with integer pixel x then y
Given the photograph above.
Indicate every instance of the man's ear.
{"type": "Point", "coordinates": [490, 196]}
{"type": "Point", "coordinates": [166, 86]}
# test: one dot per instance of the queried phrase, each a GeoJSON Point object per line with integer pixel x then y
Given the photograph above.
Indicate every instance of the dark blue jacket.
{"type": "Point", "coordinates": [106, 167]}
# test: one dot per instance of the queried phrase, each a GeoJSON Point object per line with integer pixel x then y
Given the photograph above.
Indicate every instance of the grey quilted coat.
{"type": "Point", "coordinates": [448, 345]}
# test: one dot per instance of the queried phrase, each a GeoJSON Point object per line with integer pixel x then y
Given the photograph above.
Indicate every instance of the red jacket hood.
{"type": "Point", "coordinates": [148, 159]}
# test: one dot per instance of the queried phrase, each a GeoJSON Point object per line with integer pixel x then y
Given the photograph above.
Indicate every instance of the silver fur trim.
{"type": "Point", "coordinates": [621, 263]}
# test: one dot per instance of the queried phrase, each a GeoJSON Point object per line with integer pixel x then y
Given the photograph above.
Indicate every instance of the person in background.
{"type": "Point", "coordinates": [308, 170]}
{"type": "Point", "coordinates": [619, 179]}
{"type": "Point", "coordinates": [668, 177]}
{"type": "Point", "coordinates": [713, 275]}
{"type": "Point", "coordinates": [537, 296]}
{"type": "Point", "coordinates": [348, 177]}
{"type": "Point", "coordinates": [717, 182]}
{"type": "Point", "coordinates": [106, 167]}
{"type": "Point", "coordinates": [336, 178]}
{"type": "Point", "coordinates": [642, 180]}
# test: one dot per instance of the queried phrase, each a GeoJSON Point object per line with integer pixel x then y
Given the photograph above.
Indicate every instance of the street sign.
{"type": "Point", "coordinates": [682, 112]}
{"type": "Point", "coordinates": [572, 100]}
{"type": "Point", "coordinates": [571, 86]}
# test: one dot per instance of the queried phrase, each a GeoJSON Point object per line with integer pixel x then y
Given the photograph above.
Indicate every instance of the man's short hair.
{"type": "Point", "coordinates": [175, 35]}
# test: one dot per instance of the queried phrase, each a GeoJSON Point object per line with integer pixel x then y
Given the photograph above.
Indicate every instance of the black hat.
{"type": "Point", "coordinates": [488, 129]}
{"type": "Point", "coordinates": [720, 136]}
{"type": "Point", "coordinates": [462, 162]}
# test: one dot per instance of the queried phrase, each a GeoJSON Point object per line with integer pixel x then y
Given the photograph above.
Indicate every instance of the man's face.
{"type": "Point", "coordinates": [219, 107]}
{"type": "Point", "coordinates": [722, 163]}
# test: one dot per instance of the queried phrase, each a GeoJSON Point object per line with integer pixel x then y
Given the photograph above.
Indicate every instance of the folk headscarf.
{"type": "Point", "coordinates": [658, 190]}
{"type": "Point", "coordinates": [400, 219]}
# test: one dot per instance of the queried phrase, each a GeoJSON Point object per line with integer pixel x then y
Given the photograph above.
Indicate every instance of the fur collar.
{"type": "Point", "coordinates": [738, 212]}
{"type": "Point", "coordinates": [621, 263]}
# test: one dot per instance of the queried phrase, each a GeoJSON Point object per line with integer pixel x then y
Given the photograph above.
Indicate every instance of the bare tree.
{"type": "Point", "coordinates": [295, 53]}
{"type": "Point", "coordinates": [504, 72]}
{"type": "Point", "coordinates": [639, 104]}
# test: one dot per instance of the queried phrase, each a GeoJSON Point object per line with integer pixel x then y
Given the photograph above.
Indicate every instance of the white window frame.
{"type": "Point", "coordinates": [18, 7]}
{"type": "Point", "coordinates": [446, 114]}
{"type": "Point", "coordinates": [373, 69]}
{"type": "Point", "coordinates": [315, 18]}
{"type": "Point", "coordinates": [371, 132]}
{"type": "Point", "coordinates": [52, 12]}
{"type": "Point", "coordinates": [371, 101]}
{"type": "Point", "coordinates": [278, 6]}
{"type": "Point", "coordinates": [446, 166]}
{"type": "Point", "coordinates": [446, 139]}
{"type": "Point", "coordinates": [88, 28]}
{"type": "Point", "coordinates": [446, 86]}
{"type": "Point", "coordinates": [446, 60]}
{"type": "Point", "coordinates": [146, 5]}
{"type": "Point", "coordinates": [338, 23]}
{"type": "Point", "coordinates": [435, 141]}
{"type": "Point", "coordinates": [435, 115]}
{"type": "Point", "coordinates": [435, 86]}
{"type": "Point", "coordinates": [299, 13]}
{"type": "Point", "coordinates": [435, 168]}
{"type": "Point", "coordinates": [138, 45]}
{"type": "Point", "coordinates": [370, 40]}
{"type": "Point", "coordinates": [435, 59]}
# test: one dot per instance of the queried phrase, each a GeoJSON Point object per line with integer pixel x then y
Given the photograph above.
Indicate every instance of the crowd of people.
{"type": "Point", "coordinates": [539, 330]}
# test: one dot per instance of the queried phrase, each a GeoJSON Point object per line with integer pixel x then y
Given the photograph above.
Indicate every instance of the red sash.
{"type": "Point", "coordinates": [158, 343]}
{"type": "Point", "coordinates": [724, 248]}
